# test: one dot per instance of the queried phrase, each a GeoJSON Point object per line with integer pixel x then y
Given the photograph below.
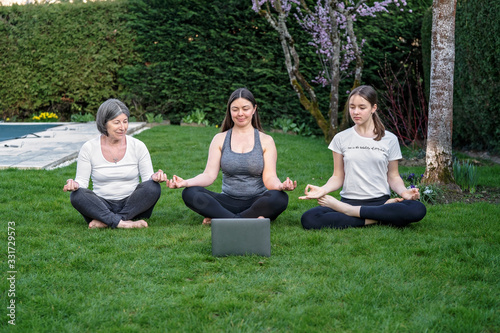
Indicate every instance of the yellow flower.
{"type": "Point", "coordinates": [46, 116]}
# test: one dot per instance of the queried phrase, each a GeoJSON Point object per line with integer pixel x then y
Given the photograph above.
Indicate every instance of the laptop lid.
{"type": "Point", "coordinates": [240, 236]}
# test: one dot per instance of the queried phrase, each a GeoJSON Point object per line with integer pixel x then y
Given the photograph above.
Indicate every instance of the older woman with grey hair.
{"type": "Point", "coordinates": [115, 162]}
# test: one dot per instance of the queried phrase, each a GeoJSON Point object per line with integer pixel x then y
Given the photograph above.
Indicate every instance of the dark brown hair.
{"type": "Point", "coordinates": [368, 93]}
{"type": "Point", "coordinates": [228, 122]}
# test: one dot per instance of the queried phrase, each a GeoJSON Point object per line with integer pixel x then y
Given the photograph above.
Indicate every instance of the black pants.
{"type": "Point", "coordinates": [217, 205]}
{"type": "Point", "coordinates": [398, 214]}
{"type": "Point", "coordinates": [138, 205]}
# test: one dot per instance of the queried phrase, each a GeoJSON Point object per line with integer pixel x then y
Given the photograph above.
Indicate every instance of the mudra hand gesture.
{"type": "Point", "coordinates": [288, 185]}
{"type": "Point", "coordinates": [411, 194]}
{"type": "Point", "coordinates": [313, 192]}
{"type": "Point", "coordinates": [71, 185]}
{"type": "Point", "coordinates": [159, 176]}
{"type": "Point", "coordinates": [176, 182]}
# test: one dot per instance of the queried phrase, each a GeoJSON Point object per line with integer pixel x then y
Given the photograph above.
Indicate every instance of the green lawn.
{"type": "Point", "coordinates": [441, 274]}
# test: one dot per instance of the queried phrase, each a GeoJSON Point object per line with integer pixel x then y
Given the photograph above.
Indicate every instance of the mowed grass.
{"type": "Point", "coordinates": [439, 275]}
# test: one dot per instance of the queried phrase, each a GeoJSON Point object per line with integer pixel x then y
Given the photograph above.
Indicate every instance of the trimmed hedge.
{"type": "Point", "coordinates": [62, 58]}
{"type": "Point", "coordinates": [195, 53]}
{"type": "Point", "coordinates": [394, 38]}
{"type": "Point", "coordinates": [171, 57]}
{"type": "Point", "coordinates": [476, 105]}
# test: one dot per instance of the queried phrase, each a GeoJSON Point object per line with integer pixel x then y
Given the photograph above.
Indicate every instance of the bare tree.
{"type": "Point", "coordinates": [439, 132]}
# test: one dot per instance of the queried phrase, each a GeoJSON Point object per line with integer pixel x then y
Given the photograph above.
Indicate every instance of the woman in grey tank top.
{"type": "Point", "coordinates": [247, 157]}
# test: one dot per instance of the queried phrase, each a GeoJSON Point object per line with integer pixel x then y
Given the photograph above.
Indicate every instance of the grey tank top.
{"type": "Point", "coordinates": [242, 172]}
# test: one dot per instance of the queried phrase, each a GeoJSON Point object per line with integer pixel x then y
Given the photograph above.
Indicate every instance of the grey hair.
{"type": "Point", "coordinates": [109, 110]}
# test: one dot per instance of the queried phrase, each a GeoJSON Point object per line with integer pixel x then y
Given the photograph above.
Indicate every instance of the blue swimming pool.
{"type": "Point", "coordinates": [9, 131]}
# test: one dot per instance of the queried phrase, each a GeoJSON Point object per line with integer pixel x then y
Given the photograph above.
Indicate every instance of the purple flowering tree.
{"type": "Point", "coordinates": [330, 25]}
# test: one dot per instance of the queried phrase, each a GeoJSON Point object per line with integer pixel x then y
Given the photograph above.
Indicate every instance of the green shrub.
{"type": "Point", "coordinates": [285, 124]}
{"type": "Point", "coordinates": [82, 118]}
{"type": "Point", "coordinates": [196, 117]}
{"type": "Point", "coordinates": [62, 57]}
{"type": "Point", "coordinates": [466, 175]}
{"type": "Point", "coordinates": [152, 118]}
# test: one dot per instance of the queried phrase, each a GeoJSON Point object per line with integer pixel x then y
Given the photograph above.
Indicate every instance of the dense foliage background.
{"type": "Point", "coordinates": [61, 58]}
{"type": "Point", "coordinates": [172, 57]}
{"type": "Point", "coordinates": [180, 56]}
{"type": "Point", "coordinates": [476, 104]}
{"type": "Point", "coordinates": [195, 53]}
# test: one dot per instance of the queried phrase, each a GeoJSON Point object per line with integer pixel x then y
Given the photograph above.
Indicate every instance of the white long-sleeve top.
{"type": "Point", "coordinates": [113, 181]}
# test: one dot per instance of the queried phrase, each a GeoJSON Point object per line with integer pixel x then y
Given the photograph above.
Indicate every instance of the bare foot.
{"type": "Point", "coordinates": [393, 200]}
{"type": "Point", "coordinates": [339, 206]}
{"type": "Point", "coordinates": [97, 224]}
{"type": "Point", "coordinates": [140, 224]}
{"type": "Point", "coordinates": [207, 221]}
{"type": "Point", "coordinates": [132, 224]}
{"type": "Point", "coordinates": [261, 217]}
{"type": "Point", "coordinates": [331, 202]}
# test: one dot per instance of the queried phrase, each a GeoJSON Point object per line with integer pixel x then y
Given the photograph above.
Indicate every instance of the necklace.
{"type": "Point", "coordinates": [111, 153]}
{"type": "Point", "coordinates": [115, 159]}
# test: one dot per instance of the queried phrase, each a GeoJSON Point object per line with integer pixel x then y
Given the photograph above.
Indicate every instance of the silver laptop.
{"type": "Point", "coordinates": [241, 237]}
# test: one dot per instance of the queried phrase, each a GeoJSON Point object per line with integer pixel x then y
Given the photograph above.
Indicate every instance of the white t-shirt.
{"type": "Point", "coordinates": [113, 181]}
{"type": "Point", "coordinates": [366, 163]}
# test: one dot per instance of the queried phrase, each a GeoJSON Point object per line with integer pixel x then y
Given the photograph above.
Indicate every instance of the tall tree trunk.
{"type": "Point", "coordinates": [440, 126]}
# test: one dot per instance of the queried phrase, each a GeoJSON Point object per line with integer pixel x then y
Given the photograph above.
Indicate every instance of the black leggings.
{"type": "Point", "coordinates": [218, 205]}
{"type": "Point", "coordinates": [397, 214]}
{"type": "Point", "coordinates": [138, 205]}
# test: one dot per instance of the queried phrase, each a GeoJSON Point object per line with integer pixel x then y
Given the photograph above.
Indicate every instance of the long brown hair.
{"type": "Point", "coordinates": [228, 122]}
{"type": "Point", "coordinates": [368, 93]}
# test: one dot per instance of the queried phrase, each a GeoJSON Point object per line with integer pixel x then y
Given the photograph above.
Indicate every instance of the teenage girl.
{"type": "Point", "coordinates": [365, 160]}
